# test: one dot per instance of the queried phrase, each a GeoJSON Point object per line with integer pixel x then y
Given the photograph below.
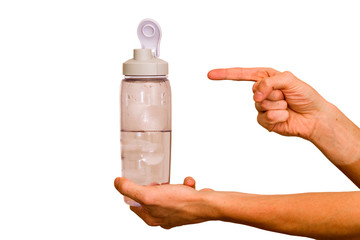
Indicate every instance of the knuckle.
{"type": "Point", "coordinates": [148, 199]}
{"type": "Point", "coordinates": [265, 82]}
{"type": "Point", "coordinates": [261, 120]}
{"type": "Point", "coordinates": [264, 123]}
{"type": "Point", "coordinates": [288, 75]}
{"type": "Point", "coordinates": [265, 104]}
{"type": "Point", "coordinates": [276, 95]}
{"type": "Point", "coordinates": [284, 104]}
{"type": "Point", "coordinates": [149, 220]}
{"type": "Point", "coordinates": [279, 95]}
{"type": "Point", "coordinates": [263, 74]}
{"type": "Point", "coordinates": [271, 70]}
{"type": "Point", "coordinates": [270, 117]}
{"type": "Point", "coordinates": [260, 74]}
{"type": "Point", "coordinates": [165, 227]}
{"type": "Point", "coordinates": [151, 223]}
{"type": "Point", "coordinates": [271, 128]}
{"type": "Point", "coordinates": [258, 107]}
{"type": "Point", "coordinates": [254, 87]}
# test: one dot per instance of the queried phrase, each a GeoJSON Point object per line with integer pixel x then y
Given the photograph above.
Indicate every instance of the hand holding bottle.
{"type": "Point", "coordinates": [315, 215]}
{"type": "Point", "coordinates": [167, 205]}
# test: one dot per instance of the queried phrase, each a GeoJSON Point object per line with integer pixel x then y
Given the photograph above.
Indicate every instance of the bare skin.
{"type": "Point", "coordinates": [290, 107]}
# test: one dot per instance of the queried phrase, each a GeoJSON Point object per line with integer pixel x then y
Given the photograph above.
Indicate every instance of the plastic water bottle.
{"type": "Point", "coordinates": [146, 112]}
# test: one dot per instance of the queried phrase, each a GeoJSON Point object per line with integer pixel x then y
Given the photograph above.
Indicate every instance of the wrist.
{"type": "Point", "coordinates": [323, 122]}
{"type": "Point", "coordinates": [209, 208]}
{"type": "Point", "coordinates": [336, 136]}
{"type": "Point", "coordinates": [226, 206]}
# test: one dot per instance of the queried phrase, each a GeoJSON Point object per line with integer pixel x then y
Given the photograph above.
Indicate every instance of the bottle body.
{"type": "Point", "coordinates": [146, 130]}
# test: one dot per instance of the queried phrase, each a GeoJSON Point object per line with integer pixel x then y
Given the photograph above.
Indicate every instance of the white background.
{"type": "Point", "coordinates": [60, 73]}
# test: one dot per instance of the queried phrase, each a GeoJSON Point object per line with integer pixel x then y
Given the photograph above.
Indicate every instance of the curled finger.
{"type": "Point", "coordinates": [269, 118]}
{"type": "Point", "coordinates": [276, 95]}
{"type": "Point", "coordinates": [267, 105]}
{"type": "Point", "coordinates": [145, 216]}
{"type": "Point", "coordinates": [263, 88]}
{"type": "Point", "coordinates": [190, 182]}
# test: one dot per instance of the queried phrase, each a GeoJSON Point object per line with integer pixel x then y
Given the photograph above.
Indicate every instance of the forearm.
{"type": "Point", "coordinates": [339, 140]}
{"type": "Point", "coordinates": [315, 215]}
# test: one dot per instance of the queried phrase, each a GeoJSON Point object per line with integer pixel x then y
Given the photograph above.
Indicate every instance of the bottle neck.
{"type": "Point", "coordinates": [146, 77]}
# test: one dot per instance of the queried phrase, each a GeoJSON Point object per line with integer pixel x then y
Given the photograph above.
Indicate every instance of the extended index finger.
{"type": "Point", "coordinates": [242, 74]}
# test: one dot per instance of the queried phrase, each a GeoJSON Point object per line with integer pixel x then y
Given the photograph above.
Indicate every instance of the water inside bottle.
{"type": "Point", "coordinates": [145, 157]}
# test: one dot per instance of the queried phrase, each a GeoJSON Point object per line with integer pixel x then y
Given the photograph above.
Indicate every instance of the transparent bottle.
{"type": "Point", "coordinates": [146, 113]}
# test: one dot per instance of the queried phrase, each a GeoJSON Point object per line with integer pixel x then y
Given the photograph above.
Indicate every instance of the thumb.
{"type": "Point", "coordinates": [282, 81]}
{"type": "Point", "coordinates": [129, 189]}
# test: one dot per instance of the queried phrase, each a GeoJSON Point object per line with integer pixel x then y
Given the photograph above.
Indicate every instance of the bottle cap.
{"type": "Point", "coordinates": [146, 61]}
